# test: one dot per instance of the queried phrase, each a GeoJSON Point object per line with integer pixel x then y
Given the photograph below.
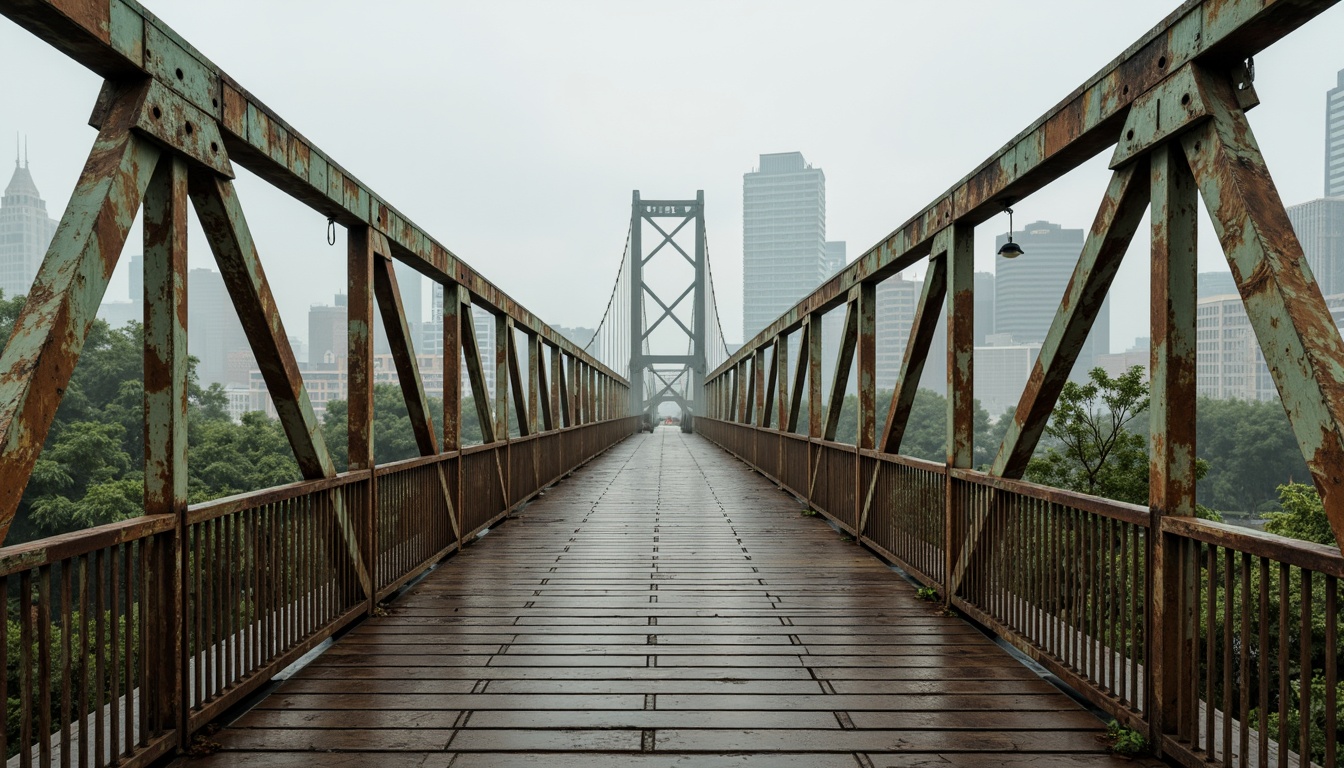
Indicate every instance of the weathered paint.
{"type": "Point", "coordinates": [865, 352]}
{"type": "Point", "coordinates": [814, 353]}
{"type": "Point", "coordinates": [517, 387]}
{"type": "Point", "coordinates": [767, 409]}
{"type": "Point", "coordinates": [958, 242]}
{"type": "Point", "coordinates": [844, 359]}
{"type": "Point", "coordinates": [545, 392]}
{"type": "Point", "coordinates": [359, 331]}
{"type": "Point", "coordinates": [399, 341]}
{"type": "Point", "coordinates": [1175, 227]}
{"type": "Point", "coordinates": [452, 369]}
{"type": "Point", "coordinates": [480, 394]}
{"type": "Point", "coordinates": [1296, 332]}
{"type": "Point", "coordinates": [503, 334]}
{"type": "Point", "coordinates": [799, 377]}
{"type": "Point", "coordinates": [922, 330]}
{"type": "Point", "coordinates": [534, 385]}
{"type": "Point", "coordinates": [49, 333]}
{"type": "Point", "coordinates": [1117, 218]}
{"type": "Point", "coordinates": [782, 382]}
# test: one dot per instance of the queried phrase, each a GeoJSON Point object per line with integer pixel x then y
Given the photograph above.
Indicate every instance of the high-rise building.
{"type": "Point", "coordinates": [214, 334]}
{"type": "Point", "coordinates": [984, 307]}
{"type": "Point", "coordinates": [328, 333]}
{"type": "Point", "coordinates": [1001, 373]}
{"type": "Point", "coordinates": [1218, 283]}
{"type": "Point", "coordinates": [1228, 359]}
{"type": "Point", "coordinates": [784, 254]}
{"type": "Point", "coordinates": [1319, 225]}
{"type": "Point", "coordinates": [484, 323]}
{"type": "Point", "coordinates": [1028, 290]}
{"type": "Point", "coordinates": [25, 232]}
{"type": "Point", "coordinates": [897, 299]}
{"type": "Point", "coordinates": [835, 258]}
{"type": "Point", "coordinates": [1334, 138]}
{"type": "Point", "coordinates": [410, 284]}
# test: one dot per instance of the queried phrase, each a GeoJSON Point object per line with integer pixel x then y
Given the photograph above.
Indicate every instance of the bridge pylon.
{"type": "Point", "coordinates": [658, 378]}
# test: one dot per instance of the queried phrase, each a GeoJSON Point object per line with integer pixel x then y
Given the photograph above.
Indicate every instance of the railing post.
{"type": "Point", "coordinates": [165, 341]}
{"type": "Point", "coordinates": [1172, 434]}
{"type": "Point", "coordinates": [359, 375]}
{"type": "Point", "coordinates": [957, 241]}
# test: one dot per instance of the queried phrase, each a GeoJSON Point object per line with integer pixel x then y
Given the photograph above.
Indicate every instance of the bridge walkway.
{"type": "Point", "coordinates": [664, 605]}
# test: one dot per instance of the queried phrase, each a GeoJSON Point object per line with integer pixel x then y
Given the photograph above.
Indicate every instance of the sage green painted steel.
{"type": "Point", "coordinates": [844, 358]}
{"type": "Point", "coordinates": [917, 350]}
{"type": "Point", "coordinates": [1174, 265]}
{"type": "Point", "coordinates": [1296, 331]}
{"type": "Point", "coordinates": [49, 333]}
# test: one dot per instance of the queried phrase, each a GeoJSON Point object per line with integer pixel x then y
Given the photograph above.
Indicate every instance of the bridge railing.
{"type": "Point", "coordinates": [1219, 644]}
{"type": "Point", "coordinates": [105, 670]}
{"type": "Point", "coordinates": [1068, 580]}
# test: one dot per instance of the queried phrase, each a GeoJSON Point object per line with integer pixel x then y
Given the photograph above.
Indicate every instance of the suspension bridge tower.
{"type": "Point", "coordinates": [658, 375]}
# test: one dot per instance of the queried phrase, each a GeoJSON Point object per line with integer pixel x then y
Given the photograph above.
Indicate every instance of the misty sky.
{"type": "Point", "coordinates": [514, 131]}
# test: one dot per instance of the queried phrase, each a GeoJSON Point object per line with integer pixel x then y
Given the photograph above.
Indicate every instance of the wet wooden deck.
{"type": "Point", "coordinates": [663, 606]}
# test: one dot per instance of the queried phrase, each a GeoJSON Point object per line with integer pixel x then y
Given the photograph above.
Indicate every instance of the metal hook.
{"type": "Point", "coordinates": [331, 230]}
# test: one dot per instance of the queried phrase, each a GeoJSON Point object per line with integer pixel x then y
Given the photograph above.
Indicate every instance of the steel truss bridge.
{"type": "Point", "coordinates": [658, 601]}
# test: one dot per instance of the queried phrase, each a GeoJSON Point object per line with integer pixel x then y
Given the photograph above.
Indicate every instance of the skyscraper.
{"type": "Point", "coordinates": [1334, 138]}
{"type": "Point", "coordinates": [1319, 225]}
{"type": "Point", "coordinates": [214, 334]}
{"type": "Point", "coordinates": [1028, 290]}
{"type": "Point", "coordinates": [984, 307]}
{"type": "Point", "coordinates": [897, 299]}
{"type": "Point", "coordinates": [25, 232]}
{"type": "Point", "coordinates": [784, 254]}
{"type": "Point", "coordinates": [328, 333]}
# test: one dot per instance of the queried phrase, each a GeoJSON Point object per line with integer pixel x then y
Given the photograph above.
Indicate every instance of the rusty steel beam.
{"type": "Point", "coordinates": [1297, 334]}
{"type": "Point", "coordinates": [844, 358]}
{"type": "Point", "coordinates": [534, 384]}
{"type": "Point", "coordinates": [799, 377]}
{"type": "Point", "coordinates": [865, 352]}
{"type": "Point", "coordinates": [545, 393]}
{"type": "Point", "coordinates": [758, 386]}
{"type": "Point", "coordinates": [165, 428]}
{"type": "Point", "coordinates": [771, 384]}
{"type": "Point", "coordinates": [226, 231]}
{"type": "Point", "coordinates": [922, 330]}
{"type": "Point", "coordinates": [480, 394]}
{"type": "Point", "coordinates": [403, 350]}
{"type": "Point", "coordinates": [503, 331]}
{"type": "Point", "coordinates": [1118, 217]}
{"type": "Point", "coordinates": [1171, 490]}
{"type": "Point", "coordinates": [452, 369]}
{"type": "Point", "coordinates": [814, 353]}
{"type": "Point", "coordinates": [49, 333]}
{"type": "Point", "coordinates": [517, 388]}
{"type": "Point", "coordinates": [781, 372]}
{"type": "Point", "coordinates": [957, 242]}
{"type": "Point", "coordinates": [1084, 124]}
{"type": "Point", "coordinates": [359, 364]}
{"type": "Point", "coordinates": [562, 386]}
{"type": "Point", "coordinates": [121, 40]}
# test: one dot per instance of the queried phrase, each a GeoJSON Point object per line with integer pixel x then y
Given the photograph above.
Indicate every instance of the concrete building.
{"type": "Point", "coordinates": [1001, 371]}
{"type": "Point", "coordinates": [1334, 138]}
{"type": "Point", "coordinates": [836, 257]}
{"type": "Point", "coordinates": [327, 382]}
{"type": "Point", "coordinates": [1118, 363]}
{"type": "Point", "coordinates": [784, 254]}
{"type": "Point", "coordinates": [984, 306]}
{"type": "Point", "coordinates": [485, 338]}
{"type": "Point", "coordinates": [328, 332]}
{"type": "Point", "coordinates": [897, 299]}
{"type": "Point", "coordinates": [1319, 225]}
{"type": "Point", "coordinates": [580, 336]}
{"type": "Point", "coordinates": [1028, 290]}
{"type": "Point", "coordinates": [1228, 355]}
{"type": "Point", "coordinates": [214, 334]}
{"type": "Point", "coordinates": [1220, 283]}
{"type": "Point", "coordinates": [25, 232]}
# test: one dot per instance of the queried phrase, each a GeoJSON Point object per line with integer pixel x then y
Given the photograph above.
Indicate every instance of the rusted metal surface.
{"type": "Point", "coordinates": [398, 331]}
{"type": "Point", "coordinates": [480, 395]}
{"type": "Point", "coordinates": [917, 350]}
{"type": "Point", "coordinates": [50, 331]}
{"type": "Point", "coordinates": [844, 359]}
{"type": "Point", "coordinates": [1118, 217]}
{"type": "Point", "coordinates": [166, 367]}
{"type": "Point", "coordinates": [799, 378]}
{"type": "Point", "coordinates": [1297, 334]}
{"type": "Point", "coordinates": [452, 369]}
{"type": "Point", "coordinates": [517, 387]}
{"type": "Point", "coordinates": [359, 364]}
{"type": "Point", "coordinates": [814, 357]}
{"type": "Point", "coordinates": [865, 353]}
{"type": "Point", "coordinates": [1175, 227]}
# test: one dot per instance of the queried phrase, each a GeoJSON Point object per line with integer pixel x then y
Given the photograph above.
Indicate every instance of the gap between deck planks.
{"type": "Point", "coordinates": [663, 606]}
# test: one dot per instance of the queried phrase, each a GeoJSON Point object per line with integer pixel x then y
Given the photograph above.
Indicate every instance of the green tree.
{"type": "Point", "coordinates": [1303, 516]}
{"type": "Point", "coordinates": [1251, 451]}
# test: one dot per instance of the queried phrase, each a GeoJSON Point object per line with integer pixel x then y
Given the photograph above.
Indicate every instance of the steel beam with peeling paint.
{"type": "Point", "coordinates": [1118, 217]}
{"type": "Point", "coordinates": [359, 361]}
{"type": "Point", "coordinates": [1296, 331]}
{"type": "Point", "coordinates": [844, 358]}
{"type": "Point", "coordinates": [50, 331]}
{"type": "Point", "coordinates": [403, 351]}
{"type": "Point", "coordinates": [922, 330]}
{"type": "Point", "coordinates": [226, 231]}
{"type": "Point", "coordinates": [480, 394]}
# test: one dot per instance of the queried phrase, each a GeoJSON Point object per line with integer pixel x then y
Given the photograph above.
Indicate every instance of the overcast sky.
{"type": "Point", "coordinates": [514, 131]}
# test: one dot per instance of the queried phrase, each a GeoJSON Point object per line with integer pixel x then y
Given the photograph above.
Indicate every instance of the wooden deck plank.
{"type": "Point", "coordinates": [664, 606]}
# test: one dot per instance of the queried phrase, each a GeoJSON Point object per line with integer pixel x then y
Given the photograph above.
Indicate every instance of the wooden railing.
{"type": "Point", "coordinates": [1069, 580]}
{"type": "Point", "coordinates": [127, 640]}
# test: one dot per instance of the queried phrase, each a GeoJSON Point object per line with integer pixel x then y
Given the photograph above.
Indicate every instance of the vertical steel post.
{"type": "Point", "coordinates": [958, 242]}
{"type": "Point", "coordinates": [866, 353]}
{"type": "Point", "coordinates": [636, 257]}
{"type": "Point", "coordinates": [503, 328]}
{"type": "Point", "coordinates": [1171, 491]}
{"type": "Point", "coordinates": [699, 364]}
{"type": "Point", "coordinates": [165, 348]}
{"type": "Point", "coordinates": [359, 372]}
{"type": "Point", "coordinates": [452, 370]}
